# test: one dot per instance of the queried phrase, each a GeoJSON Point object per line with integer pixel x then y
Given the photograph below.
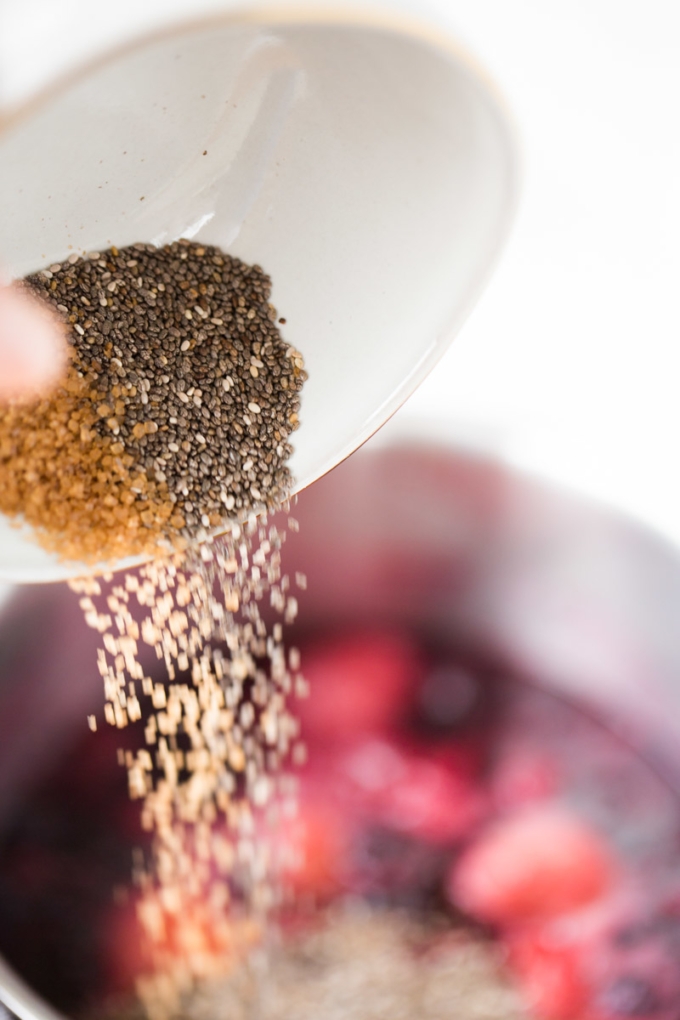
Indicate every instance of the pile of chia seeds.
{"type": "Point", "coordinates": [177, 409]}
{"type": "Point", "coordinates": [358, 962]}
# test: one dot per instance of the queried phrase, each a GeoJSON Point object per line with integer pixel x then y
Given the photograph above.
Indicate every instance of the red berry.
{"type": "Point", "coordinates": [412, 793]}
{"type": "Point", "coordinates": [537, 864]}
{"type": "Point", "coordinates": [313, 847]}
{"type": "Point", "coordinates": [548, 975]}
{"type": "Point", "coordinates": [431, 803]}
{"type": "Point", "coordinates": [358, 683]}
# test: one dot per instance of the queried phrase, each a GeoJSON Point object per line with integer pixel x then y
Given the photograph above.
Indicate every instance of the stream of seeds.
{"type": "Point", "coordinates": [212, 776]}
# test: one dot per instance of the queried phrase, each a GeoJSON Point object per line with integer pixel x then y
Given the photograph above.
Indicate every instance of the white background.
{"type": "Point", "coordinates": [568, 367]}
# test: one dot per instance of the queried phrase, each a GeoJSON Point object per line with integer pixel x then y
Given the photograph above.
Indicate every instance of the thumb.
{"type": "Point", "coordinates": [32, 346]}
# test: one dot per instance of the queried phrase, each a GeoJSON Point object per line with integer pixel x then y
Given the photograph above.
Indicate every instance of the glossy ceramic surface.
{"type": "Point", "coordinates": [369, 169]}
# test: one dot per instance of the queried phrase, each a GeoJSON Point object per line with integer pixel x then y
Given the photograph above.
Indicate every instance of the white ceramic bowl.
{"type": "Point", "coordinates": [369, 167]}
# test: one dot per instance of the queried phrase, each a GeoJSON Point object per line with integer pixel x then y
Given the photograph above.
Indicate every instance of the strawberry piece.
{"type": "Point", "coordinates": [548, 975]}
{"type": "Point", "coordinates": [313, 849]}
{"type": "Point", "coordinates": [609, 961]}
{"type": "Point", "coordinates": [358, 683]}
{"type": "Point", "coordinates": [537, 864]}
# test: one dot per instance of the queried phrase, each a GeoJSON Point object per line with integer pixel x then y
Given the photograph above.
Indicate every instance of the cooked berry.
{"type": "Point", "coordinates": [358, 684]}
{"type": "Point", "coordinates": [538, 863]}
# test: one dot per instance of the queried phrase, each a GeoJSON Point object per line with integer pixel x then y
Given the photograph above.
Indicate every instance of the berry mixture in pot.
{"type": "Point", "coordinates": [447, 812]}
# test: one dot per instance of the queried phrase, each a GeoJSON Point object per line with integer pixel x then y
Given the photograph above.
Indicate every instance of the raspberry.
{"type": "Point", "coordinates": [540, 863]}
{"type": "Point", "coordinates": [358, 683]}
{"type": "Point", "coordinates": [412, 793]}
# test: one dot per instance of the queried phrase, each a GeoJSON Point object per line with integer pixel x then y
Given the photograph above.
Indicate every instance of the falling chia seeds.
{"type": "Point", "coordinates": [218, 736]}
{"type": "Point", "coordinates": [176, 411]}
{"type": "Point", "coordinates": [173, 423]}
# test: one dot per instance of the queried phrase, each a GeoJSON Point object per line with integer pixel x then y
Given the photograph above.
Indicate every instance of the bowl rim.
{"type": "Point", "coordinates": [407, 26]}
{"type": "Point", "coordinates": [351, 15]}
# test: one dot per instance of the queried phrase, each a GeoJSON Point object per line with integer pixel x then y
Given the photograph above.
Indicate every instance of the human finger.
{"type": "Point", "coordinates": [32, 346]}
